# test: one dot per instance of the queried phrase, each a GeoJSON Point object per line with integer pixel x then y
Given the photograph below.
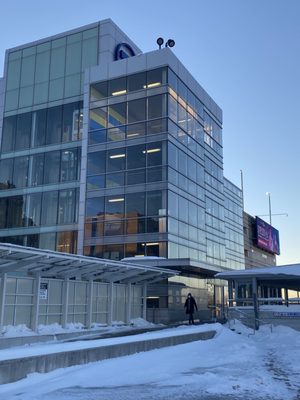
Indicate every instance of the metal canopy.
{"type": "Point", "coordinates": [47, 263]}
{"type": "Point", "coordinates": [286, 276]}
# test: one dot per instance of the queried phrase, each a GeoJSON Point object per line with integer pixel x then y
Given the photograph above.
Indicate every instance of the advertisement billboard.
{"type": "Point", "coordinates": [267, 237]}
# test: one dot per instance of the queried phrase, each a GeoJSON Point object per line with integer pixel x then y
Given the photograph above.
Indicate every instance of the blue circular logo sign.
{"type": "Point", "coordinates": [123, 50]}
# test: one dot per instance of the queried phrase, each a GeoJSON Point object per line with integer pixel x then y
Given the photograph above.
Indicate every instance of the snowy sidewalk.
{"type": "Point", "coordinates": [16, 363]}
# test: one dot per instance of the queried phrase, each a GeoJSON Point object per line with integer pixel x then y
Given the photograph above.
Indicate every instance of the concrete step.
{"type": "Point", "coordinates": [12, 370]}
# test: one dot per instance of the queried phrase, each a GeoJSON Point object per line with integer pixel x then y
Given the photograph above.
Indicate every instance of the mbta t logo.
{"type": "Point", "coordinates": [123, 50]}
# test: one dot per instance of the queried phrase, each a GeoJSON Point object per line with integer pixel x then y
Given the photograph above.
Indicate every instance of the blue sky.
{"type": "Point", "coordinates": [245, 53]}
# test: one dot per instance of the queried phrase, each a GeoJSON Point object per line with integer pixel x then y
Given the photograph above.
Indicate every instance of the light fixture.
{"type": "Point", "coordinates": [152, 85]}
{"type": "Point", "coordinates": [118, 155]}
{"type": "Point", "coordinates": [119, 92]}
{"type": "Point", "coordinates": [160, 42]}
{"type": "Point", "coordinates": [132, 134]}
{"type": "Point", "coordinates": [152, 244]}
{"type": "Point", "coordinates": [170, 43]}
{"type": "Point", "coordinates": [119, 199]}
{"type": "Point", "coordinates": [151, 151]}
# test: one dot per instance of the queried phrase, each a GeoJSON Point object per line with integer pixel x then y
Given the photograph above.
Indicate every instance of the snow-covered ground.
{"type": "Point", "coordinates": [233, 365]}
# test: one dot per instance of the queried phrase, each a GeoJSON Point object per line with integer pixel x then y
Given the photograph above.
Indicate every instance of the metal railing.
{"type": "Point", "coordinates": [251, 319]}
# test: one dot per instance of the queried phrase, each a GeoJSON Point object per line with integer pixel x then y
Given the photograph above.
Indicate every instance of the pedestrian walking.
{"type": "Point", "coordinates": [190, 307]}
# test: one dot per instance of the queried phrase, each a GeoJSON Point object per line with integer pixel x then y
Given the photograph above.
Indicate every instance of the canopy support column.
{"type": "Point", "coordinates": [36, 303]}
{"type": "Point", "coordinates": [110, 303]}
{"type": "Point", "coordinates": [2, 298]}
{"type": "Point", "coordinates": [128, 305]}
{"type": "Point", "coordinates": [65, 302]}
{"type": "Point", "coordinates": [255, 303]}
{"type": "Point", "coordinates": [89, 304]}
{"type": "Point", "coordinates": [286, 296]}
{"type": "Point", "coordinates": [145, 301]}
{"type": "Point", "coordinates": [230, 292]}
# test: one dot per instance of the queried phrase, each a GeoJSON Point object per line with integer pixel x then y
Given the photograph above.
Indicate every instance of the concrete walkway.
{"type": "Point", "coordinates": [16, 364]}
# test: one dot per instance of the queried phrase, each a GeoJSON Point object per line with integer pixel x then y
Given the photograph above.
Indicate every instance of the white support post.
{"type": "Point", "coordinates": [145, 301]}
{"type": "Point", "coordinates": [2, 298]}
{"type": "Point", "coordinates": [89, 304]}
{"type": "Point", "coordinates": [36, 303]}
{"type": "Point", "coordinates": [65, 302]}
{"type": "Point", "coordinates": [110, 303]}
{"type": "Point", "coordinates": [255, 303]}
{"type": "Point", "coordinates": [128, 305]}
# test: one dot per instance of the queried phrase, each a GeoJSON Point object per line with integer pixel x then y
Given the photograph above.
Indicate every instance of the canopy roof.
{"type": "Point", "coordinates": [286, 276]}
{"type": "Point", "coordinates": [54, 264]}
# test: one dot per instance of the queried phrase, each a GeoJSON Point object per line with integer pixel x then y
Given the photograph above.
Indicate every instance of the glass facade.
{"type": "Point", "coordinates": [233, 210]}
{"type": "Point", "coordinates": [153, 168]}
{"type": "Point", "coordinates": [126, 161]}
{"type": "Point", "coordinates": [40, 158]}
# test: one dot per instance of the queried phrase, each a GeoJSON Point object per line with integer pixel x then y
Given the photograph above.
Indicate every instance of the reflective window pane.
{"type": "Point", "coordinates": [116, 159]}
{"type": "Point", "coordinates": [9, 133]}
{"type": "Point", "coordinates": [98, 91]}
{"type": "Point", "coordinates": [49, 208]}
{"type": "Point", "coordinates": [117, 114]}
{"type": "Point", "coordinates": [71, 118]}
{"type": "Point", "coordinates": [136, 81]}
{"type": "Point", "coordinates": [114, 180]}
{"type": "Point", "coordinates": [98, 118]}
{"type": "Point", "coordinates": [95, 207]}
{"type": "Point", "coordinates": [52, 163]}
{"type": "Point", "coordinates": [23, 132]}
{"type": "Point", "coordinates": [37, 170]}
{"type": "Point", "coordinates": [136, 156]}
{"type": "Point", "coordinates": [69, 165]}
{"type": "Point", "coordinates": [136, 130]}
{"type": "Point", "coordinates": [154, 203]}
{"type": "Point", "coordinates": [39, 119]}
{"type": "Point", "coordinates": [156, 77]}
{"type": "Point", "coordinates": [157, 106]}
{"type": "Point", "coordinates": [96, 182]}
{"type": "Point", "coordinates": [6, 173]}
{"type": "Point", "coordinates": [54, 125]}
{"type": "Point", "coordinates": [96, 163]}
{"type": "Point", "coordinates": [97, 137]}
{"type": "Point", "coordinates": [67, 207]}
{"type": "Point", "coordinates": [34, 206]}
{"type": "Point", "coordinates": [114, 207]}
{"type": "Point", "coordinates": [135, 205]}
{"type": "Point", "coordinates": [136, 110]}
{"type": "Point", "coordinates": [118, 133]}
{"type": "Point", "coordinates": [20, 175]}
{"type": "Point", "coordinates": [135, 177]}
{"type": "Point", "coordinates": [117, 86]}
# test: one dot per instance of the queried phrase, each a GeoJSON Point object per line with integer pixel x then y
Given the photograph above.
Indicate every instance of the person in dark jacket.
{"type": "Point", "coordinates": [190, 306]}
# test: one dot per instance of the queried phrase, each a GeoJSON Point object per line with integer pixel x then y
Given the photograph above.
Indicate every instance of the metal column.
{"type": "Point", "coordinates": [145, 301]}
{"type": "Point", "coordinates": [2, 298]}
{"type": "Point", "coordinates": [110, 303]}
{"type": "Point", "coordinates": [255, 303]}
{"type": "Point", "coordinates": [65, 303]}
{"type": "Point", "coordinates": [230, 293]}
{"type": "Point", "coordinates": [128, 305]}
{"type": "Point", "coordinates": [89, 305]}
{"type": "Point", "coordinates": [36, 303]}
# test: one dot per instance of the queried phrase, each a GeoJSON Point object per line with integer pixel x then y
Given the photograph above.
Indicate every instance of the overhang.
{"type": "Point", "coordinates": [47, 263]}
{"type": "Point", "coordinates": [285, 276]}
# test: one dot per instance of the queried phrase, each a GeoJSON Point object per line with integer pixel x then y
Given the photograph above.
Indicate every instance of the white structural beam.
{"type": "Point", "coordinates": [110, 303]}
{"type": "Point", "coordinates": [2, 298]}
{"type": "Point", "coordinates": [65, 302]}
{"type": "Point", "coordinates": [36, 303]}
{"type": "Point", "coordinates": [129, 303]}
{"type": "Point", "coordinates": [89, 304]}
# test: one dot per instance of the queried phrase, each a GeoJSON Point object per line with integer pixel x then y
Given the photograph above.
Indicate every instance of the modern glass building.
{"type": "Point", "coordinates": [112, 153]}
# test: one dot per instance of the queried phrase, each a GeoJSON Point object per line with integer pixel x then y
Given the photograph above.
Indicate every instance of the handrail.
{"type": "Point", "coordinates": [259, 320]}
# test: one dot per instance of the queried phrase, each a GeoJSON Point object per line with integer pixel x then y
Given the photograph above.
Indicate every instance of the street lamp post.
{"type": "Point", "coordinates": [270, 212]}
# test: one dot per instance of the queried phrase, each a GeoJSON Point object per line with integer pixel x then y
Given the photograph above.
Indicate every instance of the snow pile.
{"type": "Point", "coordinates": [141, 323]}
{"type": "Point", "coordinates": [235, 363]}
{"type": "Point", "coordinates": [16, 331]}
